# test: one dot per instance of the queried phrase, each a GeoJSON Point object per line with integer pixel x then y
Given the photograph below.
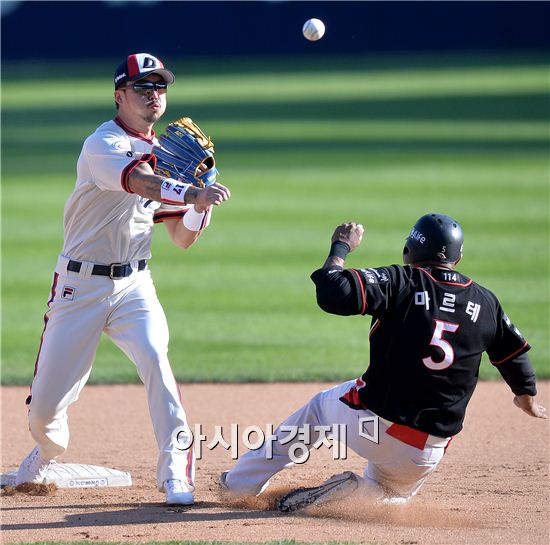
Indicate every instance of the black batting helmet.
{"type": "Point", "coordinates": [435, 238]}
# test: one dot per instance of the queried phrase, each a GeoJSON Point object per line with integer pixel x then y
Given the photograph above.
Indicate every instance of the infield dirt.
{"type": "Point", "coordinates": [492, 486]}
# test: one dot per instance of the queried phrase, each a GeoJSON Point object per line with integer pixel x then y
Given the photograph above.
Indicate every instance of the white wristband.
{"type": "Point", "coordinates": [196, 221]}
{"type": "Point", "coordinates": [173, 192]}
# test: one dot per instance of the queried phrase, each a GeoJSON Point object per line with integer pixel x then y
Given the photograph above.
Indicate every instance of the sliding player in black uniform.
{"type": "Point", "coordinates": [430, 327]}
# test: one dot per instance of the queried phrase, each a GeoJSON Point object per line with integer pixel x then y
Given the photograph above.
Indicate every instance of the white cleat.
{"type": "Point", "coordinates": [336, 488]}
{"type": "Point", "coordinates": [177, 493]}
{"type": "Point", "coordinates": [33, 469]}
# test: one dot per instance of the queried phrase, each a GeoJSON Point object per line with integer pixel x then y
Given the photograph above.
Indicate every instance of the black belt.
{"type": "Point", "coordinates": [114, 270]}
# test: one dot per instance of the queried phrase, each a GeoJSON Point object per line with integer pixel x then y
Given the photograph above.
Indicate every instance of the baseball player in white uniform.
{"type": "Point", "coordinates": [102, 283]}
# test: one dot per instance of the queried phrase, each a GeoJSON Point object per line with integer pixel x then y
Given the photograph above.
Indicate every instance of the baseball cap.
{"type": "Point", "coordinates": [140, 65]}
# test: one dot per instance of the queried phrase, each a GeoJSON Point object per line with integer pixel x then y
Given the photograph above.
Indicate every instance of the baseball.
{"type": "Point", "coordinates": [313, 29]}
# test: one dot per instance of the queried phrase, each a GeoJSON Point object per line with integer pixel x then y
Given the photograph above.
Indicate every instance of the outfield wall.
{"type": "Point", "coordinates": [68, 30]}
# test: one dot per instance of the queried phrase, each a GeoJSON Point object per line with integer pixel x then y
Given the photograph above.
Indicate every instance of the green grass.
{"type": "Point", "coordinates": [303, 146]}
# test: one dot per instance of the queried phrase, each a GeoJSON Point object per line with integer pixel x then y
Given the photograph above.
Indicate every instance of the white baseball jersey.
{"type": "Point", "coordinates": [105, 222]}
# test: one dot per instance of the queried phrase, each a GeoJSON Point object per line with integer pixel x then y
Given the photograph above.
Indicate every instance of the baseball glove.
{"type": "Point", "coordinates": [183, 149]}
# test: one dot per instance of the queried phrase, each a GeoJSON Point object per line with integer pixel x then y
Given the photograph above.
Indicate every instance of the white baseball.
{"type": "Point", "coordinates": [313, 29]}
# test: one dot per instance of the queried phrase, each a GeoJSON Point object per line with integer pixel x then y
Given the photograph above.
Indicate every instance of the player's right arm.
{"type": "Point", "coordinates": [144, 182]}
{"type": "Point", "coordinates": [508, 353]}
{"type": "Point", "coordinates": [529, 405]}
{"type": "Point", "coordinates": [114, 166]}
{"type": "Point", "coordinates": [336, 294]}
{"type": "Point", "coordinates": [347, 292]}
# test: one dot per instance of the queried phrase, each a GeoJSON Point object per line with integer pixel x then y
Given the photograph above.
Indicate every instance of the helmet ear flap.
{"type": "Point", "coordinates": [406, 256]}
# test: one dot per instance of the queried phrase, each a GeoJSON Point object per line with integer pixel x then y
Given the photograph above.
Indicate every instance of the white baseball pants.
{"type": "Point", "coordinates": [394, 470]}
{"type": "Point", "coordinates": [81, 306]}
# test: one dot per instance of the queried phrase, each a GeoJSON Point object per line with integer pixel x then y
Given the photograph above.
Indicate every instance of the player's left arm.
{"type": "Point", "coordinates": [185, 232]}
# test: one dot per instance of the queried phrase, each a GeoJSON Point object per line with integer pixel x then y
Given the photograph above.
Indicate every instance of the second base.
{"type": "Point", "coordinates": [78, 476]}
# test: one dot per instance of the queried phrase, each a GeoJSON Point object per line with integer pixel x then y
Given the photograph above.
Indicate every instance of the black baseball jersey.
{"type": "Point", "coordinates": [429, 329]}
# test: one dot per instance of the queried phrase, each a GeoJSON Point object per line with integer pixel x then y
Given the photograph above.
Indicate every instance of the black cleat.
{"type": "Point", "coordinates": [336, 488]}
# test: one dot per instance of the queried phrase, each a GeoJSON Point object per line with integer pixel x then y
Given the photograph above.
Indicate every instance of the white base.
{"type": "Point", "coordinates": [77, 476]}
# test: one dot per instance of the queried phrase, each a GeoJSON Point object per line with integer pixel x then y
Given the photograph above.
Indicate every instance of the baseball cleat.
{"type": "Point", "coordinates": [336, 488]}
{"type": "Point", "coordinates": [222, 483]}
{"type": "Point", "coordinates": [33, 469]}
{"type": "Point", "coordinates": [177, 493]}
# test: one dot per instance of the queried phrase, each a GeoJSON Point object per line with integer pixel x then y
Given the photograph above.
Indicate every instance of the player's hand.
{"type": "Point", "coordinates": [350, 233]}
{"type": "Point", "coordinates": [528, 405]}
{"type": "Point", "coordinates": [213, 195]}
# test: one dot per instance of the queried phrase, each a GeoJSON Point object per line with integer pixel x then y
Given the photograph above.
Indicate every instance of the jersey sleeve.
{"type": "Point", "coordinates": [519, 375]}
{"type": "Point", "coordinates": [357, 291]}
{"type": "Point", "coordinates": [169, 211]}
{"type": "Point", "coordinates": [111, 160]}
{"type": "Point", "coordinates": [335, 293]}
{"type": "Point", "coordinates": [378, 288]}
{"type": "Point", "coordinates": [508, 342]}
{"type": "Point", "coordinates": [508, 353]}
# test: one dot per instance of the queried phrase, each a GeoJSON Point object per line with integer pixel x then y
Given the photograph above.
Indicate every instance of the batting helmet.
{"type": "Point", "coordinates": [435, 238]}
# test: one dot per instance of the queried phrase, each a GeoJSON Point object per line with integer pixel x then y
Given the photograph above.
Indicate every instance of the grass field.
{"type": "Point", "coordinates": [303, 146]}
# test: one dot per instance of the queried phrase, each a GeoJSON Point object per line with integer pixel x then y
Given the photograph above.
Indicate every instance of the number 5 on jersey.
{"type": "Point", "coordinates": [437, 340]}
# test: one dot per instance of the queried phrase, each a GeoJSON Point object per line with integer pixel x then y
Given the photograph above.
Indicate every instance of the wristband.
{"type": "Point", "coordinates": [196, 221]}
{"type": "Point", "coordinates": [173, 192]}
{"type": "Point", "coordinates": [339, 249]}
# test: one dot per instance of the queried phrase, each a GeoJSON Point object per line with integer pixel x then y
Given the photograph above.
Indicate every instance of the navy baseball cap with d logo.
{"type": "Point", "coordinates": [139, 66]}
